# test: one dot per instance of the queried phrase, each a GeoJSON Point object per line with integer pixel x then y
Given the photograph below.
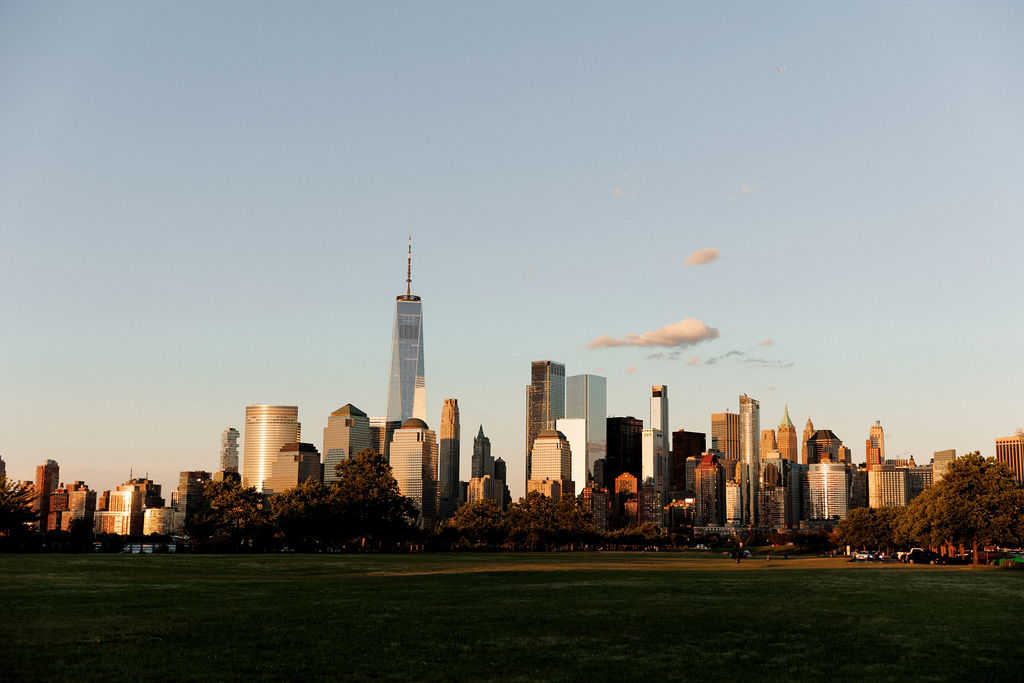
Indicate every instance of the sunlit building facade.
{"type": "Point", "coordinates": [750, 456]}
{"type": "Point", "coordinates": [545, 403]}
{"type": "Point", "coordinates": [941, 460]}
{"type": "Point", "coordinates": [295, 464]}
{"type": "Point", "coordinates": [346, 434]}
{"type": "Point", "coordinates": [448, 457]}
{"type": "Point", "coordinates": [552, 459]}
{"type": "Point", "coordinates": [267, 428]}
{"type": "Point", "coordinates": [229, 450]}
{"type": "Point", "coordinates": [586, 398]}
{"type": "Point", "coordinates": [829, 487]}
{"type": "Point", "coordinates": [414, 466]}
{"type": "Point", "coordinates": [482, 463]}
{"type": "Point", "coordinates": [725, 434]}
{"type": "Point", "coordinates": [787, 442]}
{"type": "Point", "coordinates": [1010, 450]}
{"type": "Point", "coordinates": [407, 387]}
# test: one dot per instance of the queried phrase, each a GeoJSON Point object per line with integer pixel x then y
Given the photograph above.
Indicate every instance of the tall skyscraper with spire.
{"type": "Point", "coordinates": [407, 389]}
{"type": "Point", "coordinates": [787, 438]}
{"type": "Point", "coordinates": [808, 435]}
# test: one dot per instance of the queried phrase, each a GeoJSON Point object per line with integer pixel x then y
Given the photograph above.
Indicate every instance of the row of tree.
{"type": "Point", "coordinates": [976, 503]}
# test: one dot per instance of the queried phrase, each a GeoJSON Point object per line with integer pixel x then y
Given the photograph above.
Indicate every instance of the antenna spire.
{"type": "Point", "coordinates": [408, 272]}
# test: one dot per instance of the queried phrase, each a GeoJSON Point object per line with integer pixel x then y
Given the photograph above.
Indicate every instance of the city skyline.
{"type": "Point", "coordinates": [192, 232]}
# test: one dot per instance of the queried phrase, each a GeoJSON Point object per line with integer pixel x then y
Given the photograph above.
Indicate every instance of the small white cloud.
{"type": "Point", "coordinates": [686, 332]}
{"type": "Point", "coordinates": [769, 388]}
{"type": "Point", "coordinates": [702, 257]}
{"type": "Point", "coordinates": [693, 361]}
{"type": "Point", "coordinates": [631, 369]}
{"type": "Point", "coordinates": [766, 342]}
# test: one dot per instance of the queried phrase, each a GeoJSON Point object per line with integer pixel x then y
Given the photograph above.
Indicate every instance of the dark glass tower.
{"type": "Point", "coordinates": [407, 389]}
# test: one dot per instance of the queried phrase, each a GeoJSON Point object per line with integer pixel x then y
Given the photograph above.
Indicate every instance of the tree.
{"type": "Point", "coordinates": [978, 501]}
{"type": "Point", "coordinates": [573, 522]}
{"type": "Point", "coordinates": [480, 523]}
{"type": "Point", "coordinates": [16, 513]}
{"type": "Point", "coordinates": [307, 516]}
{"type": "Point", "coordinates": [231, 517]}
{"type": "Point", "coordinates": [531, 520]}
{"type": "Point", "coordinates": [373, 508]}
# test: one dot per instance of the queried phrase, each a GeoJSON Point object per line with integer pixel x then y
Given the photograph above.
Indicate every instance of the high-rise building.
{"type": "Point", "coordinates": [941, 460]}
{"type": "Point", "coordinates": [1010, 450]}
{"type": "Point", "coordinates": [295, 464]}
{"type": "Point", "coordinates": [185, 500]}
{"type": "Point", "coordinates": [586, 398]}
{"type": "Point", "coordinates": [734, 507]}
{"type": "Point", "coordinates": [652, 458]}
{"type": "Point", "coordinates": [552, 459]}
{"type": "Point", "coordinates": [267, 428]}
{"type": "Point", "coordinates": [787, 442]}
{"type": "Point", "coordinates": [650, 506]}
{"type": "Point", "coordinates": [407, 388]}
{"type": "Point", "coordinates": [229, 450]}
{"type": "Point", "coordinates": [768, 443]}
{"type": "Point", "coordinates": [750, 456]}
{"type": "Point", "coordinates": [486, 488]}
{"type": "Point", "coordinates": [596, 500]}
{"type": "Point", "coordinates": [659, 421]}
{"type": "Point", "coordinates": [919, 477]}
{"type": "Point", "coordinates": [829, 490]}
{"type": "Point", "coordinates": [808, 434]}
{"type": "Point", "coordinates": [448, 457]}
{"type": "Point", "coordinates": [81, 505]}
{"type": "Point", "coordinates": [626, 487]}
{"type": "Point", "coordinates": [47, 480]}
{"type": "Point", "coordinates": [709, 493]}
{"type": "Point", "coordinates": [685, 445]}
{"type": "Point", "coordinates": [501, 474]}
{"type": "Point", "coordinates": [346, 434]}
{"type": "Point", "coordinates": [887, 486]}
{"type": "Point", "coordinates": [381, 431]}
{"type": "Point", "coordinates": [877, 438]}
{"type": "Point", "coordinates": [123, 512]}
{"type": "Point", "coordinates": [549, 488]}
{"type": "Point", "coordinates": [824, 446]}
{"type": "Point", "coordinates": [414, 466]}
{"type": "Point", "coordinates": [725, 434]}
{"type": "Point", "coordinates": [858, 486]}
{"type": "Point", "coordinates": [482, 463]}
{"type": "Point", "coordinates": [3, 468]}
{"type": "Point", "coordinates": [575, 431]}
{"type": "Point", "coordinates": [624, 448]}
{"type": "Point", "coordinates": [545, 402]}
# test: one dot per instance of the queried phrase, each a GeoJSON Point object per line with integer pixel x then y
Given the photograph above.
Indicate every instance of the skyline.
{"type": "Point", "coordinates": [206, 208]}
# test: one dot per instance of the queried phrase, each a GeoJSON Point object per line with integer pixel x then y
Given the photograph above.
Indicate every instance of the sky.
{"type": "Point", "coordinates": [207, 205]}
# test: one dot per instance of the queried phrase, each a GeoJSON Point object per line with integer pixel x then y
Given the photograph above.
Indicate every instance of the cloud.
{"type": "Point", "coordinates": [655, 356]}
{"type": "Point", "coordinates": [769, 388]}
{"type": "Point", "coordinates": [766, 342]}
{"type": "Point", "coordinates": [686, 332]}
{"type": "Point", "coordinates": [702, 257]}
{"type": "Point", "coordinates": [631, 369]}
{"type": "Point", "coordinates": [693, 361]}
{"type": "Point", "coordinates": [624, 195]}
{"type": "Point", "coordinates": [530, 272]}
{"type": "Point", "coordinates": [745, 189]}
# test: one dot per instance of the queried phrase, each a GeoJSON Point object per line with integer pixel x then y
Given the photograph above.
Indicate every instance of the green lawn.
{"type": "Point", "coordinates": [508, 616]}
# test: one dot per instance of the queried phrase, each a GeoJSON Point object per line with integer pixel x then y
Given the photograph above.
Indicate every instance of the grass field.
{"type": "Point", "coordinates": [503, 616]}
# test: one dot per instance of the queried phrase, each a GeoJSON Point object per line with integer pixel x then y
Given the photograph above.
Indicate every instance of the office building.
{"type": "Point", "coordinates": [799, 496]}
{"type": "Point", "coordinates": [919, 478]}
{"type": "Point", "coordinates": [626, 487]}
{"type": "Point", "coordinates": [483, 464]}
{"type": "Point", "coordinates": [552, 459]}
{"type": "Point", "coordinates": [686, 452]}
{"type": "Point", "coordinates": [501, 474]}
{"type": "Point", "coordinates": [267, 428]}
{"type": "Point", "coordinates": [768, 442]}
{"type": "Point", "coordinates": [381, 432]}
{"type": "Point", "coordinates": [123, 514]}
{"type": "Point", "coordinates": [547, 487]}
{"type": "Point", "coordinates": [158, 521]}
{"type": "Point", "coordinates": [229, 450]}
{"type": "Point", "coordinates": [650, 506]}
{"type": "Point", "coordinates": [829, 488]}
{"type": "Point", "coordinates": [941, 460]}
{"type": "Point", "coordinates": [586, 398]}
{"type": "Point", "coordinates": [414, 466]}
{"type": "Point", "coordinates": [887, 486]}
{"type": "Point", "coordinates": [188, 496]}
{"type": "Point", "coordinates": [3, 468]}
{"type": "Point", "coordinates": [787, 443]}
{"type": "Point", "coordinates": [858, 487]}
{"type": "Point", "coordinates": [347, 433]}
{"type": "Point", "coordinates": [150, 490]}
{"type": "Point", "coordinates": [81, 504]}
{"type": "Point", "coordinates": [709, 493]}
{"type": "Point", "coordinates": [295, 463]}
{"type": "Point", "coordinates": [597, 501]}
{"type": "Point", "coordinates": [545, 403]}
{"type": "Point", "coordinates": [407, 389]}
{"type": "Point", "coordinates": [808, 434]}
{"type": "Point", "coordinates": [652, 459]}
{"type": "Point", "coordinates": [733, 503]}
{"type": "Point", "coordinates": [486, 488]}
{"type": "Point", "coordinates": [624, 448]}
{"type": "Point", "coordinates": [877, 438]}
{"type": "Point", "coordinates": [575, 432]}
{"type": "Point", "coordinates": [448, 457]}
{"type": "Point", "coordinates": [824, 446]}
{"type": "Point", "coordinates": [750, 456]}
{"type": "Point", "coordinates": [1010, 450]}
{"type": "Point", "coordinates": [725, 434]}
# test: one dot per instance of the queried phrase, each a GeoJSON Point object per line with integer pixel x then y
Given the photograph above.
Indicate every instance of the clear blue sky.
{"type": "Point", "coordinates": [206, 205]}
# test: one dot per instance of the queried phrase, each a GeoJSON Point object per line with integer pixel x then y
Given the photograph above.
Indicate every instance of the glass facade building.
{"type": "Point", "coordinates": [414, 466]}
{"type": "Point", "coordinates": [267, 429]}
{"type": "Point", "coordinates": [545, 402]}
{"type": "Point", "coordinates": [586, 397]}
{"type": "Point", "coordinates": [347, 433]}
{"type": "Point", "coordinates": [407, 389]}
{"type": "Point", "coordinates": [229, 450]}
{"type": "Point", "coordinates": [750, 456]}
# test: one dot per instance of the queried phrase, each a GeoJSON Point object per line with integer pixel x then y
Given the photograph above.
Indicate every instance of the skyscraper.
{"type": "Point", "coordinates": [295, 463]}
{"type": "Point", "coordinates": [586, 398]}
{"type": "Point", "coordinates": [659, 421]}
{"type": "Point", "coordinates": [768, 442]}
{"type": "Point", "coordinates": [829, 488]}
{"type": "Point", "coordinates": [685, 445]}
{"type": "Point", "coordinates": [808, 434]}
{"type": "Point", "coordinates": [414, 466]}
{"type": "Point", "coordinates": [346, 434]}
{"type": "Point", "coordinates": [750, 457]}
{"type": "Point", "coordinates": [229, 450]}
{"type": "Point", "coordinates": [940, 461]}
{"type": "Point", "coordinates": [545, 402]}
{"type": "Point", "coordinates": [407, 389]}
{"type": "Point", "coordinates": [709, 492]}
{"type": "Point", "coordinates": [787, 442]}
{"type": "Point", "coordinates": [877, 438]}
{"type": "Point", "coordinates": [482, 464]}
{"type": "Point", "coordinates": [624, 437]}
{"type": "Point", "coordinates": [652, 458]}
{"type": "Point", "coordinates": [3, 468]}
{"type": "Point", "coordinates": [725, 434]}
{"type": "Point", "coordinates": [448, 457]}
{"type": "Point", "coordinates": [552, 459]}
{"type": "Point", "coordinates": [47, 479]}
{"type": "Point", "coordinates": [1010, 450]}
{"type": "Point", "coordinates": [267, 428]}
{"type": "Point", "coordinates": [381, 431]}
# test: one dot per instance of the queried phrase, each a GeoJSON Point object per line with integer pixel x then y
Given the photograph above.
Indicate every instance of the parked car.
{"type": "Point", "coordinates": [919, 556]}
{"type": "Point", "coordinates": [862, 555]}
{"type": "Point", "coordinates": [701, 546]}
